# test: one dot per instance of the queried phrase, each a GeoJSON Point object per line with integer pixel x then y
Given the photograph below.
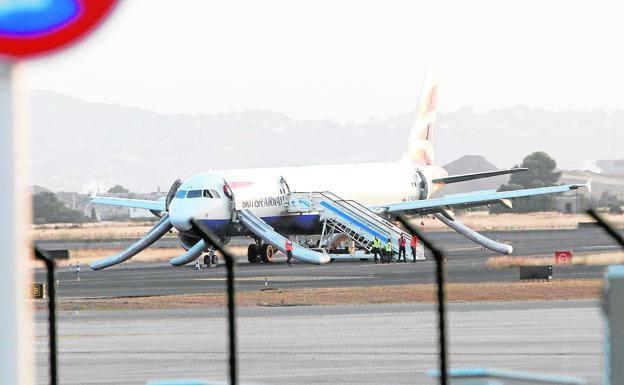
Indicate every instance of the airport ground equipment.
{"type": "Point", "coordinates": [340, 218]}
{"type": "Point", "coordinates": [347, 217]}
{"type": "Point", "coordinates": [481, 376]}
{"type": "Point", "coordinates": [536, 273]}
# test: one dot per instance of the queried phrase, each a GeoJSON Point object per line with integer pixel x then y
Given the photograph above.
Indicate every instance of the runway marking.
{"type": "Point", "coordinates": [283, 278]}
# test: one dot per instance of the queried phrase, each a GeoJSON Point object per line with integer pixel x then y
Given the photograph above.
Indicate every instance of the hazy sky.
{"type": "Point", "coordinates": [346, 60]}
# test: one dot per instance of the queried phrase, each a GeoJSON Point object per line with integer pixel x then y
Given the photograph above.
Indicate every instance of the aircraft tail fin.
{"type": "Point", "coordinates": [420, 143]}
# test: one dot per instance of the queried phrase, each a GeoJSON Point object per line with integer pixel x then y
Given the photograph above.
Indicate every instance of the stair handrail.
{"type": "Point", "coordinates": [354, 211]}
{"type": "Point", "coordinates": [364, 210]}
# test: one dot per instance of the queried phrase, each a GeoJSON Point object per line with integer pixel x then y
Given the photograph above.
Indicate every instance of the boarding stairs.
{"type": "Point", "coordinates": [346, 217]}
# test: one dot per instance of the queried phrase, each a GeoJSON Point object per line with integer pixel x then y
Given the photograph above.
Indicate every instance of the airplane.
{"type": "Point", "coordinates": [337, 202]}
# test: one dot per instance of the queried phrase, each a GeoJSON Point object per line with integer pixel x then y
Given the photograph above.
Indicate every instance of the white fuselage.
{"type": "Point", "coordinates": [265, 192]}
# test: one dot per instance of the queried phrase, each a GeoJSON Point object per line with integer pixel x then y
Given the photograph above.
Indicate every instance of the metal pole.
{"type": "Point", "coordinates": [16, 354]}
{"type": "Point", "coordinates": [440, 276]}
{"type": "Point", "coordinates": [211, 239]}
{"type": "Point", "coordinates": [50, 267]}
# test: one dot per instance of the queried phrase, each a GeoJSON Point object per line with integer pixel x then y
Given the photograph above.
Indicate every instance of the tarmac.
{"type": "Point", "coordinates": [465, 263]}
{"type": "Point", "coordinates": [371, 344]}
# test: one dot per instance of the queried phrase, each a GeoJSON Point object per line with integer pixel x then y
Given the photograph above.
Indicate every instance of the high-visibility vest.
{"type": "Point", "coordinates": [376, 243]}
{"type": "Point", "coordinates": [414, 241]}
{"type": "Point", "coordinates": [389, 246]}
{"type": "Point", "coordinates": [289, 245]}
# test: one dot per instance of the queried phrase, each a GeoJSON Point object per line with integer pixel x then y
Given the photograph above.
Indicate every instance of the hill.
{"type": "Point", "coordinates": [472, 164]}
{"type": "Point", "coordinates": [83, 146]}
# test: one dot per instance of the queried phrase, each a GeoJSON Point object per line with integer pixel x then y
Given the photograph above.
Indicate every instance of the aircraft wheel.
{"type": "Point", "coordinates": [206, 260]}
{"type": "Point", "coordinates": [214, 261]}
{"type": "Point", "coordinates": [267, 253]}
{"type": "Point", "coordinates": [252, 253]}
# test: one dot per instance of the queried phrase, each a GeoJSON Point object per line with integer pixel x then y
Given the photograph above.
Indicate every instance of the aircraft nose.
{"type": "Point", "coordinates": [180, 215]}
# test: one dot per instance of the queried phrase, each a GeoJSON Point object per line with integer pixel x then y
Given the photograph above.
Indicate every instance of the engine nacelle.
{"type": "Point", "coordinates": [187, 241]}
{"type": "Point", "coordinates": [424, 181]}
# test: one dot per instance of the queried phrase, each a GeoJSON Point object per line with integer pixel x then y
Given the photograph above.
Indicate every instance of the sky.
{"type": "Point", "coordinates": [345, 60]}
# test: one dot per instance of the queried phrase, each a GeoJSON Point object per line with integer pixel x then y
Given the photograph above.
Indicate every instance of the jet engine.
{"type": "Point", "coordinates": [187, 241]}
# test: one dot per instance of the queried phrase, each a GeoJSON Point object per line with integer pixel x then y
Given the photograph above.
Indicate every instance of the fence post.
{"type": "Point", "coordinates": [211, 239]}
{"type": "Point", "coordinates": [440, 277]}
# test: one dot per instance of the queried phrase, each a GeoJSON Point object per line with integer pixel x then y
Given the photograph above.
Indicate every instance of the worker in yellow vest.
{"type": "Point", "coordinates": [376, 249]}
{"type": "Point", "coordinates": [388, 251]}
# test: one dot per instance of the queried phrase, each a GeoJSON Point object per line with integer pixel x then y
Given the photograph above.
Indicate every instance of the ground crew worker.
{"type": "Point", "coordinates": [388, 251]}
{"type": "Point", "coordinates": [402, 243]}
{"type": "Point", "coordinates": [413, 244]}
{"type": "Point", "coordinates": [376, 250]}
{"type": "Point", "coordinates": [289, 249]}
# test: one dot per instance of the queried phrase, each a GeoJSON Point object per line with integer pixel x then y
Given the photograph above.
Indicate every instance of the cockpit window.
{"type": "Point", "coordinates": [180, 194]}
{"type": "Point", "coordinates": [215, 194]}
{"type": "Point", "coordinates": [207, 194]}
{"type": "Point", "coordinates": [194, 194]}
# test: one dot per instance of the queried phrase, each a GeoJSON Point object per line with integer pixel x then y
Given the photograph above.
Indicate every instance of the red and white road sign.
{"type": "Point", "coordinates": [34, 27]}
{"type": "Point", "coordinates": [563, 257]}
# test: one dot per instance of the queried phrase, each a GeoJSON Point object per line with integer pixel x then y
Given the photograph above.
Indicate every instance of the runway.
{"type": "Point", "coordinates": [370, 344]}
{"type": "Point", "coordinates": [465, 263]}
{"type": "Point", "coordinates": [525, 242]}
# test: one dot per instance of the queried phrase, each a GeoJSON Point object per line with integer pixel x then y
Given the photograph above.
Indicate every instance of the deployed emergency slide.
{"type": "Point", "coordinates": [190, 254]}
{"type": "Point", "coordinates": [264, 231]}
{"type": "Point", "coordinates": [501, 248]}
{"type": "Point", "coordinates": [154, 234]}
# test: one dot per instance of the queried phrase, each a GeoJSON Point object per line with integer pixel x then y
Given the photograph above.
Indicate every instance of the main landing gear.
{"type": "Point", "coordinates": [260, 252]}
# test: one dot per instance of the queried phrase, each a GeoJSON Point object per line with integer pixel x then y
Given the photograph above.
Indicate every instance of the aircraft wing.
{"type": "Point", "coordinates": [478, 198]}
{"type": "Point", "coordinates": [125, 202]}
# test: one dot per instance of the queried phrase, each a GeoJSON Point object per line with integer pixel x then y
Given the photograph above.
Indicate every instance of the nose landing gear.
{"type": "Point", "coordinates": [210, 259]}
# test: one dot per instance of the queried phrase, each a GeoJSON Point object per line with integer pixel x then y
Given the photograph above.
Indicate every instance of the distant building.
{"type": "Point", "coordinates": [567, 204]}
{"type": "Point", "coordinates": [611, 166]}
{"type": "Point", "coordinates": [140, 214]}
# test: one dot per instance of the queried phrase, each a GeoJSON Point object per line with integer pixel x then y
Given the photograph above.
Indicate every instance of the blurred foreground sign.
{"type": "Point", "coordinates": [563, 257]}
{"type": "Point", "coordinates": [37, 290]}
{"type": "Point", "coordinates": [34, 27]}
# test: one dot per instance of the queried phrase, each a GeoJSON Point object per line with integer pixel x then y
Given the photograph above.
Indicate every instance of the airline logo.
{"type": "Point", "coordinates": [240, 184]}
{"type": "Point", "coordinates": [420, 143]}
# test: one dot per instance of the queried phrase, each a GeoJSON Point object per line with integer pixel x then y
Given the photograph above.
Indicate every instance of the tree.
{"type": "Point", "coordinates": [611, 201]}
{"type": "Point", "coordinates": [541, 173]}
{"type": "Point", "coordinates": [118, 189]}
{"type": "Point", "coordinates": [48, 209]}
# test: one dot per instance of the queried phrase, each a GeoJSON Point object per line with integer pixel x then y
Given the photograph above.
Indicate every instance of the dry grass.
{"type": "Point", "coordinates": [595, 259]}
{"type": "Point", "coordinates": [481, 220]}
{"type": "Point", "coordinates": [92, 231]}
{"type": "Point", "coordinates": [424, 293]}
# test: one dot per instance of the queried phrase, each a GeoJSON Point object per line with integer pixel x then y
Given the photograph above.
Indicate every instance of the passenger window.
{"type": "Point", "coordinates": [180, 194]}
{"type": "Point", "coordinates": [215, 194]}
{"type": "Point", "coordinates": [207, 194]}
{"type": "Point", "coordinates": [194, 194]}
